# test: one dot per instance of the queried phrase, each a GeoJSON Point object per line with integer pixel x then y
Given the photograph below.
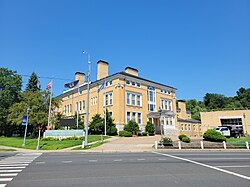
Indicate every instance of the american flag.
{"type": "Point", "coordinates": [49, 86]}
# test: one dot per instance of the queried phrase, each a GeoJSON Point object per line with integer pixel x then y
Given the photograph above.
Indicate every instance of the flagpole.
{"type": "Point", "coordinates": [50, 103]}
{"type": "Point", "coordinates": [105, 120]}
{"type": "Point", "coordinates": [77, 117]}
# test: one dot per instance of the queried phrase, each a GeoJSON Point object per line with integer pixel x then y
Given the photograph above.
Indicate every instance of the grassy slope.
{"type": "Point", "coordinates": [44, 145]}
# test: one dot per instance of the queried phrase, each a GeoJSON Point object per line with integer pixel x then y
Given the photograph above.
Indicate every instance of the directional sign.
{"type": "Point", "coordinates": [24, 120]}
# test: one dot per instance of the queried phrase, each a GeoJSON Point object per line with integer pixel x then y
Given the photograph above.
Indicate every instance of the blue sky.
{"type": "Point", "coordinates": [194, 46]}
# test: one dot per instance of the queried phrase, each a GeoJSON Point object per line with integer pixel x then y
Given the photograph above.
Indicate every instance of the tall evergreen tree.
{"type": "Point", "coordinates": [33, 84]}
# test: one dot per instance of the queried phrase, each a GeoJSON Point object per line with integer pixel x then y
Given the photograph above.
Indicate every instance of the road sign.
{"type": "Point", "coordinates": [24, 120]}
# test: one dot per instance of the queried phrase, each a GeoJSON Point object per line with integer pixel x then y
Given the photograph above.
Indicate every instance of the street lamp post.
{"type": "Point", "coordinates": [25, 133]}
{"type": "Point", "coordinates": [87, 107]}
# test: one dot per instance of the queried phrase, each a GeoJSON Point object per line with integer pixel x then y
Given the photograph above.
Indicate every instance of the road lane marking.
{"type": "Point", "coordinates": [3, 185]}
{"type": "Point", "coordinates": [92, 160]}
{"type": "Point", "coordinates": [204, 165]}
{"type": "Point", "coordinates": [40, 162]}
{"type": "Point", "coordinates": [8, 174]}
{"type": "Point", "coordinates": [139, 159]}
{"type": "Point", "coordinates": [246, 166]}
{"type": "Point", "coordinates": [5, 162]}
{"type": "Point", "coordinates": [118, 160]}
{"type": "Point", "coordinates": [220, 158]}
{"type": "Point", "coordinates": [5, 179]}
{"type": "Point", "coordinates": [10, 171]}
{"type": "Point", "coordinates": [67, 161]}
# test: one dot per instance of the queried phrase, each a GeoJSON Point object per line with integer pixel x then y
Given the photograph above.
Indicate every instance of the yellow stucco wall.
{"type": "Point", "coordinates": [119, 108]}
{"type": "Point", "coordinates": [212, 119]}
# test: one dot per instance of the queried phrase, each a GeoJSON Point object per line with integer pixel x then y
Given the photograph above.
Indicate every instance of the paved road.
{"type": "Point", "coordinates": [173, 169]}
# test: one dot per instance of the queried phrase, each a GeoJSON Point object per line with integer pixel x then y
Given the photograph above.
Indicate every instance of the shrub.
{"type": "Point", "coordinates": [181, 136]}
{"type": "Point", "coordinates": [132, 127]}
{"type": "Point", "coordinates": [144, 133]}
{"type": "Point", "coordinates": [150, 128]}
{"type": "Point", "coordinates": [166, 141]}
{"type": "Point", "coordinates": [50, 139]}
{"type": "Point", "coordinates": [125, 133]}
{"type": "Point", "coordinates": [112, 131]}
{"type": "Point", "coordinates": [186, 139]}
{"type": "Point", "coordinates": [213, 136]}
{"type": "Point", "coordinates": [151, 134]}
{"type": "Point", "coordinates": [71, 138]}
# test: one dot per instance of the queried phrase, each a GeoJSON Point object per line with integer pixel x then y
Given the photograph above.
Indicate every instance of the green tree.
{"type": "Point", "coordinates": [38, 103]}
{"type": "Point", "coordinates": [33, 83]}
{"type": "Point", "coordinates": [10, 87]}
{"type": "Point", "coordinates": [96, 125]}
{"type": "Point", "coordinates": [214, 101]}
{"type": "Point", "coordinates": [80, 122]}
{"type": "Point", "coordinates": [150, 128]}
{"type": "Point", "coordinates": [111, 129]}
{"type": "Point", "coordinates": [132, 127]}
{"type": "Point", "coordinates": [243, 96]}
{"type": "Point", "coordinates": [195, 107]}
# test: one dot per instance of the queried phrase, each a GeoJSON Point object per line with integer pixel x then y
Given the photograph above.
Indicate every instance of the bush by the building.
{"type": "Point", "coordinates": [125, 133]}
{"type": "Point", "coordinates": [186, 139]}
{"type": "Point", "coordinates": [166, 141]}
{"type": "Point", "coordinates": [181, 136]}
{"type": "Point", "coordinates": [150, 128]}
{"type": "Point", "coordinates": [132, 127]}
{"type": "Point", "coordinates": [213, 136]}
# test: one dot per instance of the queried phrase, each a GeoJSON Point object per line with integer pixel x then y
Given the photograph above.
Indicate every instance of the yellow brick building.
{"type": "Point", "coordinates": [127, 97]}
{"type": "Point", "coordinates": [187, 125]}
{"type": "Point", "coordinates": [227, 117]}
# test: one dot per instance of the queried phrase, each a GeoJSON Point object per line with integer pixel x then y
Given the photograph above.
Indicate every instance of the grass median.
{"type": "Point", "coordinates": [238, 142]}
{"type": "Point", "coordinates": [45, 144]}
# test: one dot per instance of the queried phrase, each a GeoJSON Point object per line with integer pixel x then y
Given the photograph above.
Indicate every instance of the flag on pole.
{"type": "Point", "coordinates": [49, 86]}
{"type": "Point", "coordinates": [71, 84]}
{"type": "Point", "coordinates": [102, 86]}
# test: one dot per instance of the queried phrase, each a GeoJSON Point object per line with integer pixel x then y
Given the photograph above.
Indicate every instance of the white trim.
{"type": "Point", "coordinates": [230, 117]}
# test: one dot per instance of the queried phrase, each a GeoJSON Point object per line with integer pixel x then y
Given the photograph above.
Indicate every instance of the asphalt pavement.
{"type": "Point", "coordinates": [158, 169]}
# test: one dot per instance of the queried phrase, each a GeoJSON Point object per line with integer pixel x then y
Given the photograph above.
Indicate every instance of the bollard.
{"type": "Point", "coordinates": [202, 146]}
{"type": "Point", "coordinates": [179, 144]}
{"type": "Point", "coordinates": [83, 144]}
{"type": "Point", "coordinates": [156, 145]}
{"type": "Point", "coordinates": [224, 145]}
{"type": "Point", "coordinates": [247, 144]}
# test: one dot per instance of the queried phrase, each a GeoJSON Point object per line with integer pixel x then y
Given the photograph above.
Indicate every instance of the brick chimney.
{"type": "Point", "coordinates": [80, 76]}
{"type": "Point", "coordinates": [131, 71]}
{"type": "Point", "coordinates": [102, 69]}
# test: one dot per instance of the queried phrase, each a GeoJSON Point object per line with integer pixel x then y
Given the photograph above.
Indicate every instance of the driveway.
{"type": "Point", "coordinates": [128, 144]}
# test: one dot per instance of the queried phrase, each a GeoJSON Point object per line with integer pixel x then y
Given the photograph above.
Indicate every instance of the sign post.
{"type": "Point", "coordinates": [25, 121]}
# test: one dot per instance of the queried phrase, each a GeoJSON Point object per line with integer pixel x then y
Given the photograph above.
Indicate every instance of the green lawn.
{"type": "Point", "coordinates": [238, 142]}
{"type": "Point", "coordinates": [44, 145]}
{"type": "Point", "coordinates": [7, 149]}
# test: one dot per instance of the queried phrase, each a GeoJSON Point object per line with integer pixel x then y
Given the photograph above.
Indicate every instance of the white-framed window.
{"type": "Point", "coordinates": [133, 83]}
{"type": "Point", "coordinates": [133, 99]}
{"type": "Point", "coordinates": [128, 98]}
{"type": "Point", "coordinates": [83, 104]}
{"type": "Point", "coordinates": [138, 100]}
{"type": "Point", "coordinates": [139, 119]}
{"type": "Point", "coordinates": [70, 108]}
{"type": "Point", "coordinates": [166, 104]}
{"type": "Point", "coordinates": [189, 128]}
{"type": "Point", "coordinates": [133, 116]}
{"type": "Point", "coordinates": [128, 117]}
{"type": "Point", "coordinates": [80, 105]}
{"type": "Point", "coordinates": [151, 99]}
{"type": "Point", "coordinates": [127, 82]}
{"type": "Point", "coordinates": [138, 84]}
{"type": "Point", "coordinates": [65, 109]}
{"type": "Point", "coordinates": [108, 99]}
{"type": "Point", "coordinates": [182, 127]}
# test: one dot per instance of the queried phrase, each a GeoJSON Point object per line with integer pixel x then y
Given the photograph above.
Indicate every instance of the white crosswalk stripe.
{"type": "Point", "coordinates": [11, 166]}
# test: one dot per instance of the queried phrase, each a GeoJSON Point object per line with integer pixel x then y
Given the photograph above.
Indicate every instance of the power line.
{"type": "Point", "coordinates": [53, 78]}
